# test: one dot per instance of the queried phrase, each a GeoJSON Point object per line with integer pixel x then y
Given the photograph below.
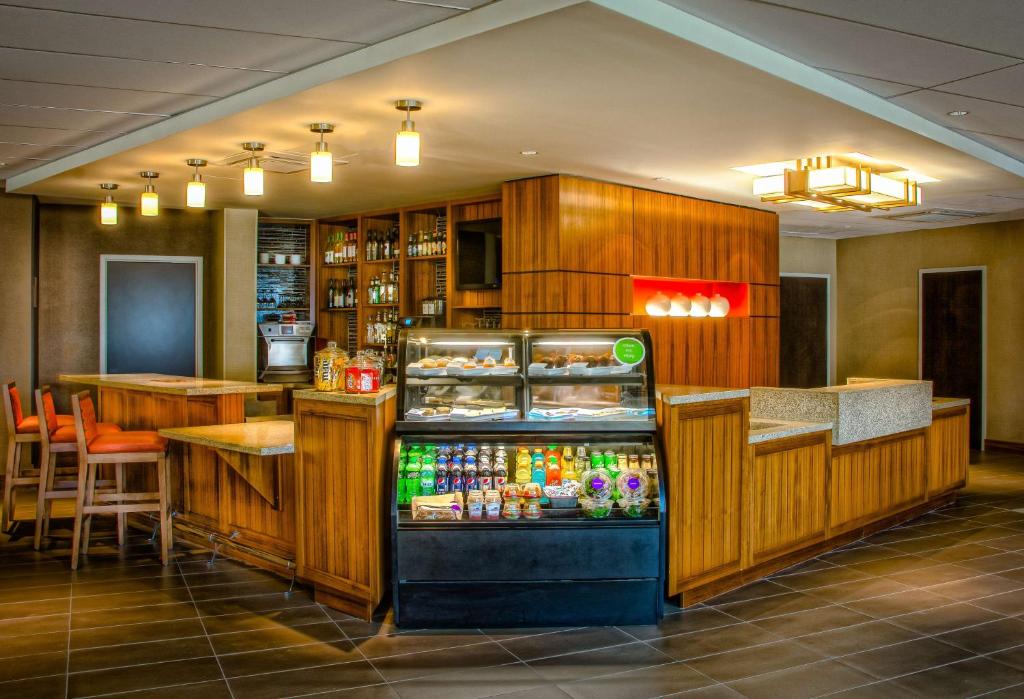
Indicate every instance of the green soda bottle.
{"type": "Point", "coordinates": [403, 498]}
{"type": "Point", "coordinates": [412, 479]}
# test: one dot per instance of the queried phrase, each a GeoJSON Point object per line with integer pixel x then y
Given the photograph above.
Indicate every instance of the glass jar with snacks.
{"type": "Point", "coordinates": [328, 367]}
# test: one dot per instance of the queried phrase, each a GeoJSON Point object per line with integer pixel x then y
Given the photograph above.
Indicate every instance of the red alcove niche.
{"type": "Point", "coordinates": [737, 293]}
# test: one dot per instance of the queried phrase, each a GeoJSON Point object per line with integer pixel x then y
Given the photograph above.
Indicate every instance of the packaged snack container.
{"type": "Point", "coordinates": [328, 367]}
{"type": "Point", "coordinates": [596, 508]}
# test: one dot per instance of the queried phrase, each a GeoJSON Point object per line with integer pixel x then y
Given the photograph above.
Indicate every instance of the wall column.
{"type": "Point", "coordinates": [17, 215]}
{"type": "Point", "coordinates": [234, 295]}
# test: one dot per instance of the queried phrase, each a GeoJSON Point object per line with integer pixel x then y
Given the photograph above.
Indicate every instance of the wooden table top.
{"type": "Point", "coordinates": [264, 438]}
{"type": "Point", "coordinates": [163, 383]}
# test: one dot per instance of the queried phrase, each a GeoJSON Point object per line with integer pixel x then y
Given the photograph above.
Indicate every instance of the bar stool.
{"type": "Point", "coordinates": [21, 430]}
{"type": "Point", "coordinates": [119, 449]}
{"type": "Point", "coordinates": [53, 440]}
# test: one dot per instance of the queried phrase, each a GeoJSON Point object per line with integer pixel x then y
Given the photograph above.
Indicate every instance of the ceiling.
{"type": "Point", "coordinates": [74, 73]}
{"type": "Point", "coordinates": [622, 100]}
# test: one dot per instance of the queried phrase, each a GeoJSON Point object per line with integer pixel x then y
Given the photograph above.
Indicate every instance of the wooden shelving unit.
{"type": "Point", "coordinates": [285, 282]}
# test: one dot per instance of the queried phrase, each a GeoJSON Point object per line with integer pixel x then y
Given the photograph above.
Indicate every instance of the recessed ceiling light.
{"type": "Point", "coordinates": [662, 178]}
{"type": "Point", "coordinates": [958, 113]}
{"type": "Point", "coordinates": [527, 152]}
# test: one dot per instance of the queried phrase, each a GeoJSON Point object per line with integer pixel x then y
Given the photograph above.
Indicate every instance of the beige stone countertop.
{"type": "Point", "coordinates": [265, 438]}
{"type": "Point", "coordinates": [678, 394]}
{"type": "Point", "coordinates": [377, 398]}
{"type": "Point", "coordinates": [939, 403]}
{"type": "Point", "coordinates": [764, 430]}
{"type": "Point", "coordinates": [162, 383]}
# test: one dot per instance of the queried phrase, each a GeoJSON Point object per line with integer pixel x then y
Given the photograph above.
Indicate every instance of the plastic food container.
{"type": "Point", "coordinates": [596, 484]}
{"type": "Point", "coordinates": [563, 502]}
{"type": "Point", "coordinates": [632, 484]}
{"type": "Point", "coordinates": [596, 508]}
{"type": "Point", "coordinates": [633, 507]}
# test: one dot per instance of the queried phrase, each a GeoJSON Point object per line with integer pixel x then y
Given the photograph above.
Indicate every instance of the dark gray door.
{"type": "Point", "coordinates": [151, 317]}
{"type": "Point", "coordinates": [951, 338]}
{"type": "Point", "coordinates": [803, 332]}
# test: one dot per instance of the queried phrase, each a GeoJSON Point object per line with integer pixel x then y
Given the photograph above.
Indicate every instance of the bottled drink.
{"type": "Point", "coordinates": [538, 473]}
{"type": "Point", "coordinates": [500, 475]}
{"type": "Point", "coordinates": [469, 474]}
{"type": "Point", "coordinates": [486, 474]}
{"type": "Point", "coordinates": [400, 484]}
{"type": "Point", "coordinates": [523, 462]}
{"type": "Point", "coordinates": [412, 481]}
{"type": "Point", "coordinates": [427, 476]}
{"type": "Point", "coordinates": [330, 294]}
{"type": "Point", "coordinates": [457, 480]}
{"type": "Point", "coordinates": [553, 474]}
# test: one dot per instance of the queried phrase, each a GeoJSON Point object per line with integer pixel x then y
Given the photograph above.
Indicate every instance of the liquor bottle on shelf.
{"type": "Point", "coordinates": [331, 294]}
{"type": "Point", "coordinates": [329, 250]}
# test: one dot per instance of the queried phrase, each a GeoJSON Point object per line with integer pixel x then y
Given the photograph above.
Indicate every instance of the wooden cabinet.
{"type": "Point", "coordinates": [786, 495]}
{"type": "Point", "coordinates": [948, 449]}
{"type": "Point", "coordinates": [705, 446]}
{"type": "Point", "coordinates": [342, 462]}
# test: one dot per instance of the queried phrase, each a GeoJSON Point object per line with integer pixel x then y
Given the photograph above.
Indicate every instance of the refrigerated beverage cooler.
{"type": "Point", "coordinates": [527, 483]}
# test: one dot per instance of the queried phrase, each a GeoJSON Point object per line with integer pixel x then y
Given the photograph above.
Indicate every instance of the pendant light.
{"type": "Point", "coordinates": [108, 209]}
{"type": "Point", "coordinates": [195, 191]}
{"type": "Point", "coordinates": [252, 178]}
{"type": "Point", "coordinates": [407, 140]}
{"type": "Point", "coordinates": [149, 203]}
{"type": "Point", "coordinates": [321, 162]}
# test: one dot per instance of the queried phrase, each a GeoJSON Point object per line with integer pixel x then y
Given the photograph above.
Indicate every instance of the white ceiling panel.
{"type": "Point", "coordinates": [362, 21]}
{"type": "Point", "coordinates": [1006, 85]}
{"type": "Point", "coordinates": [824, 42]}
{"type": "Point", "coordinates": [993, 25]}
{"type": "Point", "coordinates": [154, 41]}
{"type": "Point", "coordinates": [38, 66]}
{"type": "Point", "coordinates": [984, 116]}
{"type": "Point", "coordinates": [882, 88]}
{"type": "Point", "coordinates": [67, 137]}
{"type": "Point", "coordinates": [68, 119]}
{"type": "Point", "coordinates": [48, 94]}
{"type": "Point", "coordinates": [11, 151]}
{"type": "Point", "coordinates": [1013, 146]}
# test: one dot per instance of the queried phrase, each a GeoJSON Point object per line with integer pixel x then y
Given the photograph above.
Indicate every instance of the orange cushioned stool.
{"type": "Point", "coordinates": [21, 430]}
{"type": "Point", "coordinates": [119, 449]}
{"type": "Point", "coordinates": [57, 439]}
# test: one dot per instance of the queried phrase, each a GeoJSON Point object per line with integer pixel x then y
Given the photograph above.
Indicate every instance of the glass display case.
{"type": "Point", "coordinates": [539, 514]}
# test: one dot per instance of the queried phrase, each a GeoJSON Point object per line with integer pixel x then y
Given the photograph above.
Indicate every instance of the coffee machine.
{"type": "Point", "coordinates": [284, 352]}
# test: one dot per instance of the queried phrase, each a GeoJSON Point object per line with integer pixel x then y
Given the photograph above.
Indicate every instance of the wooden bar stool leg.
{"type": "Point", "coordinates": [165, 516]}
{"type": "Point", "coordinates": [90, 492]}
{"type": "Point", "coordinates": [45, 467]}
{"type": "Point", "coordinates": [10, 473]}
{"type": "Point", "coordinates": [76, 538]}
{"type": "Point", "coordinates": [48, 505]}
{"type": "Point", "coordinates": [122, 519]}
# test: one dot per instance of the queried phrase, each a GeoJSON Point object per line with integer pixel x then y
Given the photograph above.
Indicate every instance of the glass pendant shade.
{"type": "Point", "coordinates": [195, 194]}
{"type": "Point", "coordinates": [407, 147]}
{"type": "Point", "coordinates": [321, 166]}
{"type": "Point", "coordinates": [149, 205]}
{"type": "Point", "coordinates": [252, 181]}
{"type": "Point", "coordinates": [108, 213]}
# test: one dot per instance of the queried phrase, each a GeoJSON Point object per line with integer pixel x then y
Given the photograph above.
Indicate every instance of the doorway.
{"type": "Point", "coordinates": [804, 339]}
{"type": "Point", "coordinates": [951, 350]}
{"type": "Point", "coordinates": [151, 315]}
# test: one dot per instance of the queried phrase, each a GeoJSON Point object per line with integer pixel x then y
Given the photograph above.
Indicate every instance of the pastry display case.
{"type": "Point", "coordinates": [526, 488]}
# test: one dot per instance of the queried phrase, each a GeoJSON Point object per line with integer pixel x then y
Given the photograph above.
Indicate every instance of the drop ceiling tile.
{"type": "Point", "coordinates": [154, 41]}
{"type": "Point", "coordinates": [984, 116]}
{"type": "Point", "coordinates": [841, 45]}
{"type": "Point", "coordinates": [1006, 85]}
{"type": "Point", "coordinates": [38, 66]}
{"type": "Point", "coordinates": [54, 137]}
{"type": "Point", "coordinates": [63, 119]}
{"type": "Point", "coordinates": [994, 25]}
{"type": "Point", "coordinates": [12, 150]}
{"type": "Point", "coordinates": [363, 21]}
{"type": "Point", "coordinates": [882, 88]}
{"type": "Point", "coordinates": [51, 95]}
{"type": "Point", "coordinates": [1010, 146]}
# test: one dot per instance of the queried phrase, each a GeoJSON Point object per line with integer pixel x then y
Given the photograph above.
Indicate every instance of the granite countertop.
{"type": "Point", "coordinates": [763, 430]}
{"type": "Point", "coordinates": [266, 438]}
{"type": "Point", "coordinates": [678, 394]}
{"type": "Point", "coordinates": [162, 383]}
{"type": "Point", "coordinates": [943, 403]}
{"type": "Point", "coordinates": [377, 398]}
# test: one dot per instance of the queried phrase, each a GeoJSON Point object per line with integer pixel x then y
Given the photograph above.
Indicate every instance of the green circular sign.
{"type": "Point", "coordinates": [629, 350]}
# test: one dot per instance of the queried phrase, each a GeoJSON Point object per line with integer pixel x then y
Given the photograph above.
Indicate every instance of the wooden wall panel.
{"type": "Point", "coordinates": [262, 526]}
{"type": "Point", "coordinates": [566, 292]}
{"type": "Point", "coordinates": [764, 300]}
{"type": "Point", "coordinates": [705, 447]}
{"type": "Point", "coordinates": [948, 450]}
{"type": "Point", "coordinates": [764, 247]}
{"type": "Point", "coordinates": [595, 226]}
{"type": "Point", "coordinates": [530, 225]}
{"type": "Point", "coordinates": [700, 351]}
{"type": "Point", "coordinates": [764, 354]}
{"type": "Point", "coordinates": [787, 495]}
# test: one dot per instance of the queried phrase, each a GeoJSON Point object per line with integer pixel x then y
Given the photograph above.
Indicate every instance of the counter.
{"type": "Point", "coordinates": [174, 385]}
{"type": "Point", "coordinates": [769, 430]}
{"type": "Point", "coordinates": [262, 438]}
{"type": "Point", "coordinates": [384, 394]}
{"type": "Point", "coordinates": [680, 394]}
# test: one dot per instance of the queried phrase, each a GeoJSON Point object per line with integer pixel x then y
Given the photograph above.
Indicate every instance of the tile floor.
{"type": "Point", "coordinates": [930, 609]}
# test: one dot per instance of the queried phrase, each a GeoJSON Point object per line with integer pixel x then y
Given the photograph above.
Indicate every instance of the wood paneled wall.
{"type": "Point", "coordinates": [571, 246]}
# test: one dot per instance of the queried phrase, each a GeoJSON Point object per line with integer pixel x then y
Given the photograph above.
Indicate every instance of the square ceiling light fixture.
{"type": "Point", "coordinates": [847, 182]}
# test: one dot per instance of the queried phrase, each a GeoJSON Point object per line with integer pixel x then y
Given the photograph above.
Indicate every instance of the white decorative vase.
{"type": "Point", "coordinates": [719, 306]}
{"type": "Point", "coordinates": [700, 306]}
{"type": "Point", "coordinates": [658, 305]}
{"type": "Point", "coordinates": [680, 306]}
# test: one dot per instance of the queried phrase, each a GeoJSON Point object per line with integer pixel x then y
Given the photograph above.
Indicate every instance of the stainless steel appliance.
{"type": "Point", "coordinates": [284, 352]}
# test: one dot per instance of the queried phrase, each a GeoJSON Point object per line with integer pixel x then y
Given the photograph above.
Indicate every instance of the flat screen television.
{"type": "Point", "coordinates": [478, 254]}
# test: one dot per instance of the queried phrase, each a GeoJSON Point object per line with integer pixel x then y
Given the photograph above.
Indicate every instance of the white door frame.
{"type": "Point", "coordinates": [829, 368]}
{"type": "Point", "coordinates": [984, 333]}
{"type": "Point", "coordinates": [196, 261]}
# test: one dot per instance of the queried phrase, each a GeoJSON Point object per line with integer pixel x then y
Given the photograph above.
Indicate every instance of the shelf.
{"type": "Point", "coordinates": [475, 308]}
{"type": "Point", "coordinates": [619, 380]}
{"type": "Point", "coordinates": [425, 258]}
{"type": "Point", "coordinates": [381, 305]}
{"type": "Point", "coordinates": [340, 264]}
{"type": "Point", "coordinates": [338, 310]}
{"type": "Point", "coordinates": [278, 310]}
{"type": "Point", "coordinates": [389, 261]}
{"type": "Point", "coordinates": [513, 380]}
{"type": "Point", "coordinates": [272, 265]}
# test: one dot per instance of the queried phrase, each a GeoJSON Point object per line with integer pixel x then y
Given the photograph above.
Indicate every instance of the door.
{"type": "Point", "coordinates": [952, 338]}
{"type": "Point", "coordinates": [803, 331]}
{"type": "Point", "coordinates": [151, 315]}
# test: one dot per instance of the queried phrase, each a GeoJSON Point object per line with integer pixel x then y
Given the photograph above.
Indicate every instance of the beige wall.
{"type": "Point", "coordinates": [71, 241]}
{"type": "Point", "coordinates": [234, 294]}
{"type": "Point", "coordinates": [878, 307]}
{"type": "Point", "coordinates": [814, 256]}
{"type": "Point", "coordinates": [16, 216]}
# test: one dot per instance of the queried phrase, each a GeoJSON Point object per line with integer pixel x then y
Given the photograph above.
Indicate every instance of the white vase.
{"type": "Point", "coordinates": [719, 306]}
{"type": "Point", "coordinates": [680, 306]}
{"type": "Point", "coordinates": [700, 306]}
{"type": "Point", "coordinates": [658, 305]}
